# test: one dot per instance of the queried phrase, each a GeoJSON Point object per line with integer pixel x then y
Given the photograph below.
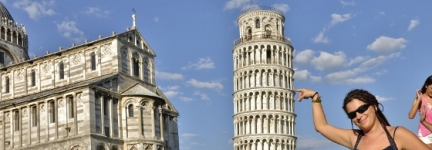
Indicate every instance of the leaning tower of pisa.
{"type": "Point", "coordinates": [264, 117]}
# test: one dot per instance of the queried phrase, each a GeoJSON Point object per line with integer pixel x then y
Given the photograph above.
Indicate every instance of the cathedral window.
{"type": "Point", "coordinates": [33, 116]}
{"type": "Point", "coordinates": [8, 36]}
{"type": "Point", "coordinates": [52, 111]}
{"type": "Point", "coordinates": [146, 71]}
{"type": "Point", "coordinates": [93, 61]}
{"type": "Point", "coordinates": [135, 61]}
{"type": "Point", "coordinates": [2, 61]}
{"type": "Point", "coordinates": [130, 110]}
{"type": "Point", "coordinates": [125, 60]}
{"type": "Point", "coordinates": [145, 47]}
{"type": "Point", "coordinates": [7, 86]}
{"type": "Point", "coordinates": [107, 131]}
{"type": "Point", "coordinates": [138, 43]}
{"type": "Point", "coordinates": [16, 120]}
{"type": "Point", "coordinates": [3, 33]}
{"type": "Point", "coordinates": [20, 41]}
{"type": "Point", "coordinates": [105, 106]}
{"type": "Point", "coordinates": [257, 23]}
{"type": "Point", "coordinates": [33, 78]}
{"type": "Point", "coordinates": [61, 70]}
{"type": "Point", "coordinates": [70, 104]}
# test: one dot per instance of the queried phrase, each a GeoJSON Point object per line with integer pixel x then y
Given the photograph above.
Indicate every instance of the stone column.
{"type": "Point", "coordinates": [152, 108]}
{"type": "Point", "coordinates": [161, 126]}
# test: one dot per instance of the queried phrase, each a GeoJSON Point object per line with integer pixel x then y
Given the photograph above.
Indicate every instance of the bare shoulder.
{"type": "Point", "coordinates": [406, 139]}
{"type": "Point", "coordinates": [399, 132]}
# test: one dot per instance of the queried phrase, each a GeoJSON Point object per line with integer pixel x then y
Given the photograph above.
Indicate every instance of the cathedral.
{"type": "Point", "coordinates": [100, 95]}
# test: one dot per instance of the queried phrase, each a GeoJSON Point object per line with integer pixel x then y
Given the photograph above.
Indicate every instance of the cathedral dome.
{"type": "Point", "coordinates": [13, 39]}
{"type": "Point", "coordinates": [4, 12]}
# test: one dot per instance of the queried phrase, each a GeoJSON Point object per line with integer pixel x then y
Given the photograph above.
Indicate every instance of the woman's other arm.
{"type": "Point", "coordinates": [337, 135]}
{"type": "Point", "coordinates": [415, 106]}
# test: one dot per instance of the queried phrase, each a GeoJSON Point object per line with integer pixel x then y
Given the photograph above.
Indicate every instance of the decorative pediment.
{"type": "Point", "coordinates": [138, 89]}
{"type": "Point", "coordinates": [133, 36]}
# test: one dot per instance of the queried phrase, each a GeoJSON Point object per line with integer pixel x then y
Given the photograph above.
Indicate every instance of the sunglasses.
{"type": "Point", "coordinates": [361, 110]}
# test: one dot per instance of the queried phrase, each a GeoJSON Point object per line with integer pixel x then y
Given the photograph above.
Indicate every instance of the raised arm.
{"type": "Point", "coordinates": [415, 106]}
{"type": "Point", "coordinates": [337, 135]}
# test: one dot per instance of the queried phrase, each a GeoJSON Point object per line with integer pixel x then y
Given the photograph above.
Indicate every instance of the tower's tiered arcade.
{"type": "Point", "coordinates": [264, 117]}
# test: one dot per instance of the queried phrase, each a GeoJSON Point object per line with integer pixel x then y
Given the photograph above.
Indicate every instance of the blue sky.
{"type": "Point", "coordinates": [381, 46]}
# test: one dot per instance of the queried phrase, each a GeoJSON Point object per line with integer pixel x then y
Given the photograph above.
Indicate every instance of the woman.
{"type": "Point", "coordinates": [374, 130]}
{"type": "Point", "coordinates": [423, 100]}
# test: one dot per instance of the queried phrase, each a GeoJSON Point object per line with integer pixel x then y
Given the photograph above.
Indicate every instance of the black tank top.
{"type": "Point", "coordinates": [392, 145]}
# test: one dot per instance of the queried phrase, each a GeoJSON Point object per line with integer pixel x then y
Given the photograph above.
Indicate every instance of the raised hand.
{"type": "Point", "coordinates": [304, 93]}
{"type": "Point", "coordinates": [418, 94]}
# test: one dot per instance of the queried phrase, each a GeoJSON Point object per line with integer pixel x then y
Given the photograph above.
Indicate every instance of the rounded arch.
{"type": "Point", "coordinates": [115, 147]}
{"type": "Point", "coordinates": [13, 58]}
{"type": "Point", "coordinates": [130, 110]}
{"type": "Point", "coordinates": [129, 101]}
{"type": "Point", "coordinates": [76, 147]}
{"type": "Point", "coordinates": [257, 22]}
{"type": "Point", "coordinates": [101, 146]}
{"type": "Point", "coordinates": [136, 56]}
{"type": "Point", "coordinates": [124, 52]}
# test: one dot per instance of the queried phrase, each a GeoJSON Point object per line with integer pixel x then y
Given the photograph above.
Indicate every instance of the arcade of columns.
{"type": "Point", "coordinates": [263, 106]}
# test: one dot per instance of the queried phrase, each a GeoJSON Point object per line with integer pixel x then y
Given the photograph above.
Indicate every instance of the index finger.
{"type": "Point", "coordinates": [298, 90]}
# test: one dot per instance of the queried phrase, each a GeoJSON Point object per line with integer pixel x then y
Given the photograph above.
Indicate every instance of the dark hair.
{"type": "Point", "coordinates": [426, 83]}
{"type": "Point", "coordinates": [367, 98]}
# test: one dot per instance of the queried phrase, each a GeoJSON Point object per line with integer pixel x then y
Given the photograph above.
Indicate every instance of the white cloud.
{"type": "Point", "coordinates": [171, 94]}
{"type": "Point", "coordinates": [186, 99]}
{"type": "Point", "coordinates": [96, 12]}
{"type": "Point", "coordinates": [348, 3]}
{"type": "Point", "coordinates": [413, 24]}
{"type": "Point", "coordinates": [329, 61]}
{"type": "Point", "coordinates": [382, 99]}
{"type": "Point", "coordinates": [374, 62]}
{"type": "Point", "coordinates": [315, 78]}
{"type": "Point", "coordinates": [35, 9]}
{"type": "Point", "coordinates": [356, 60]}
{"type": "Point", "coordinates": [210, 85]}
{"type": "Point", "coordinates": [320, 38]}
{"type": "Point", "coordinates": [360, 80]}
{"type": "Point", "coordinates": [337, 18]}
{"type": "Point", "coordinates": [301, 75]}
{"type": "Point", "coordinates": [175, 87]}
{"type": "Point", "coordinates": [304, 57]}
{"type": "Point", "coordinates": [306, 75]}
{"type": "Point", "coordinates": [187, 136]}
{"type": "Point", "coordinates": [341, 76]}
{"type": "Point", "coordinates": [203, 63]}
{"type": "Point", "coordinates": [382, 13]}
{"type": "Point", "coordinates": [232, 4]}
{"type": "Point", "coordinates": [69, 30]}
{"type": "Point", "coordinates": [351, 76]}
{"type": "Point", "coordinates": [385, 44]}
{"type": "Point", "coordinates": [381, 72]}
{"type": "Point", "coordinates": [168, 76]}
{"type": "Point", "coordinates": [171, 91]}
{"type": "Point", "coordinates": [156, 19]}
{"type": "Point", "coordinates": [282, 7]}
{"type": "Point", "coordinates": [203, 96]}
